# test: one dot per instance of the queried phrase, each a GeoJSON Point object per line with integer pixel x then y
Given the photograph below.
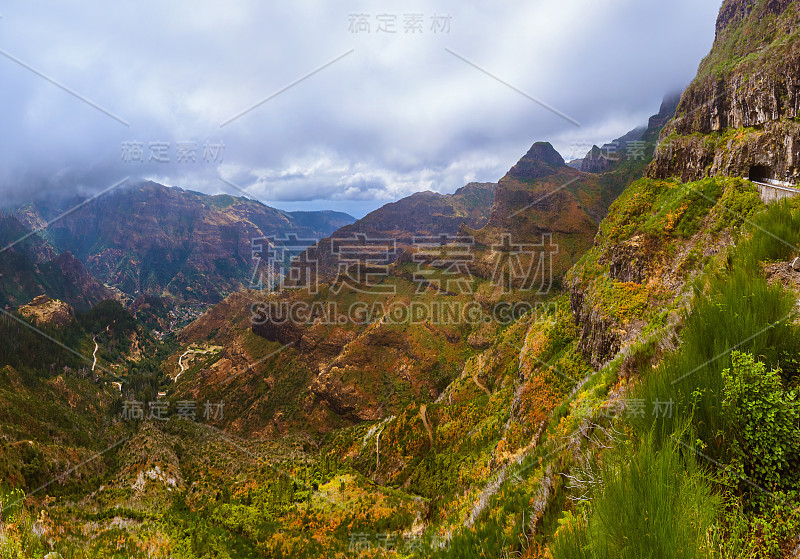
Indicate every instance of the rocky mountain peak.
{"type": "Point", "coordinates": [541, 160]}
{"type": "Point", "coordinates": [667, 110]}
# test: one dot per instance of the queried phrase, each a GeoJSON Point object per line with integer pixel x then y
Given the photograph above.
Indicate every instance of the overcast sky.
{"type": "Point", "coordinates": [351, 114]}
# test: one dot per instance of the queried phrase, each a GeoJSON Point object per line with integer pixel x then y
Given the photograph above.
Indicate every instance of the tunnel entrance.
{"type": "Point", "coordinates": [760, 173]}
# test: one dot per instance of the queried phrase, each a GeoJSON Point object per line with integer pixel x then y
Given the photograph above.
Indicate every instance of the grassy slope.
{"type": "Point", "coordinates": [491, 413]}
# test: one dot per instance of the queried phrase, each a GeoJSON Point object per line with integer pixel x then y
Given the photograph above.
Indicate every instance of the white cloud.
{"type": "Point", "coordinates": [399, 114]}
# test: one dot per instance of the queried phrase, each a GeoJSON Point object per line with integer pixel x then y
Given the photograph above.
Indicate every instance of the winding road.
{"type": "Point", "coordinates": [205, 351]}
{"type": "Point", "coordinates": [180, 364]}
{"type": "Point", "coordinates": [94, 355]}
{"type": "Point", "coordinates": [770, 191]}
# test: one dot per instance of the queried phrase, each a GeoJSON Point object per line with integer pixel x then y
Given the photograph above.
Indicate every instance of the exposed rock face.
{"type": "Point", "coordinates": [343, 400]}
{"type": "Point", "coordinates": [734, 11]}
{"type": "Point", "coordinates": [596, 161]}
{"type": "Point", "coordinates": [268, 324]}
{"type": "Point", "coordinates": [667, 110]}
{"type": "Point", "coordinates": [742, 110]}
{"type": "Point", "coordinates": [598, 338]}
{"type": "Point", "coordinates": [774, 146]}
{"type": "Point", "coordinates": [45, 311]}
{"type": "Point", "coordinates": [540, 161]}
{"type": "Point", "coordinates": [629, 261]}
{"type": "Point", "coordinates": [753, 95]}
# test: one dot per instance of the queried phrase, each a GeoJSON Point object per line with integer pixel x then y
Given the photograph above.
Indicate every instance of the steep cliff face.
{"type": "Point", "coordinates": [734, 11]}
{"type": "Point", "coordinates": [658, 237]}
{"type": "Point", "coordinates": [743, 108]}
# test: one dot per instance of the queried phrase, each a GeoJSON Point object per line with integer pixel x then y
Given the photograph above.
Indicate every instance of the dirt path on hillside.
{"type": "Point", "coordinates": [423, 410]}
{"type": "Point", "coordinates": [475, 378]}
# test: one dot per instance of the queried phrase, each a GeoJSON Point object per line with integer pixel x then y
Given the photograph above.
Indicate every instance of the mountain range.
{"type": "Point", "coordinates": [584, 360]}
{"type": "Point", "coordinates": [151, 239]}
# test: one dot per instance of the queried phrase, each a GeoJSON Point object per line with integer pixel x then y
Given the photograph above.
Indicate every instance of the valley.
{"type": "Point", "coordinates": [585, 359]}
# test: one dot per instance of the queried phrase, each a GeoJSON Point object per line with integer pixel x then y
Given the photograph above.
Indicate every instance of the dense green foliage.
{"type": "Point", "coordinates": [764, 420]}
{"type": "Point", "coordinates": [649, 502]}
{"type": "Point", "coordinates": [749, 41]}
{"type": "Point", "coordinates": [731, 388]}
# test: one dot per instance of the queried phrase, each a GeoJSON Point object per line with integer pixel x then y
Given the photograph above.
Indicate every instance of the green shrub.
{"type": "Point", "coordinates": [739, 312]}
{"type": "Point", "coordinates": [763, 421]}
{"type": "Point", "coordinates": [11, 501]}
{"type": "Point", "coordinates": [742, 533]}
{"type": "Point", "coordinates": [651, 503]}
{"type": "Point", "coordinates": [775, 235]}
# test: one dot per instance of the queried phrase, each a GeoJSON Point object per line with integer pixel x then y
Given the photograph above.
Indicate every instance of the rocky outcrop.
{"type": "Point", "coordinates": [44, 311]}
{"type": "Point", "coordinates": [540, 161]}
{"type": "Point", "coordinates": [343, 400]}
{"type": "Point", "coordinates": [629, 261]}
{"type": "Point", "coordinates": [598, 337]}
{"type": "Point", "coordinates": [734, 11]}
{"type": "Point", "coordinates": [276, 329]}
{"type": "Point", "coordinates": [742, 110]}
{"type": "Point", "coordinates": [775, 147]}
{"type": "Point", "coordinates": [317, 343]}
{"type": "Point", "coordinates": [759, 91]}
{"type": "Point", "coordinates": [597, 160]}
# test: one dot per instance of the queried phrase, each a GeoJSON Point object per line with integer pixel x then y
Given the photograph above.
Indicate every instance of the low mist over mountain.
{"type": "Point", "coordinates": [587, 359]}
{"type": "Point", "coordinates": [152, 239]}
